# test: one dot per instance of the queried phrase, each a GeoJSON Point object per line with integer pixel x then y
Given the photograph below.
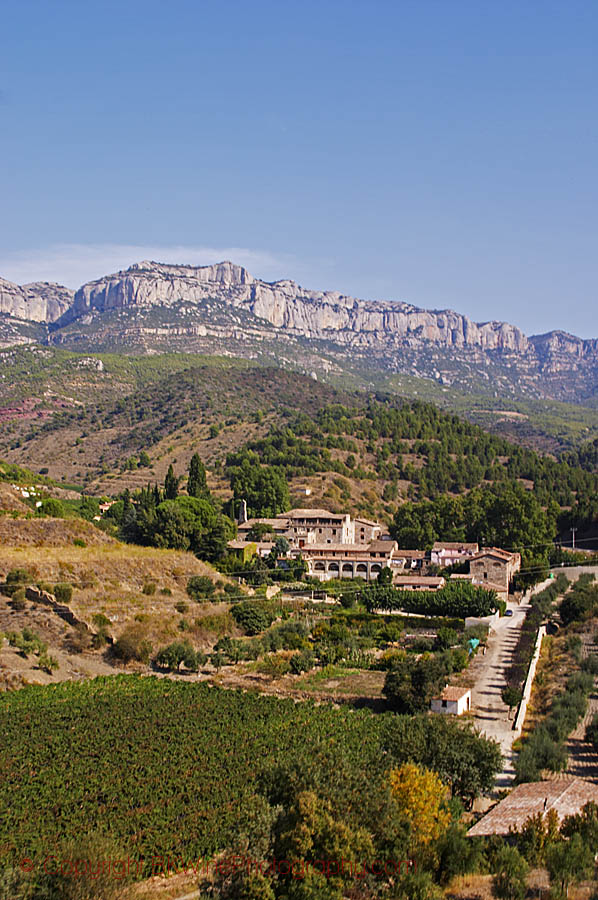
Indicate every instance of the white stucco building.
{"type": "Point", "coordinates": [452, 701]}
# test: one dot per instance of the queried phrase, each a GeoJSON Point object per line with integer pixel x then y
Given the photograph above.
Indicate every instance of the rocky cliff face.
{"type": "Point", "coordinates": [40, 301]}
{"type": "Point", "coordinates": [152, 307]}
{"type": "Point", "coordinates": [286, 305]}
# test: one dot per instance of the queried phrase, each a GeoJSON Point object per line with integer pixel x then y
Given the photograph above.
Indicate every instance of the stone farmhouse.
{"type": "Point", "coordinates": [326, 561]}
{"type": "Point", "coordinates": [494, 567]}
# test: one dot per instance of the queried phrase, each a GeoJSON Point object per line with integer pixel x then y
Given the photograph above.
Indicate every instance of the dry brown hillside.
{"type": "Point", "coordinates": [49, 533]}
{"type": "Point", "coordinates": [135, 588]}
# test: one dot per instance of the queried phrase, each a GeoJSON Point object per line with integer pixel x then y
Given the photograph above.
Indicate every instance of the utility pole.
{"type": "Point", "coordinates": [573, 530]}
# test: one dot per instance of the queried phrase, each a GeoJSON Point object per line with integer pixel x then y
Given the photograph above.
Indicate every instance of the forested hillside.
{"type": "Point", "coordinates": [586, 456]}
{"type": "Point", "coordinates": [273, 437]}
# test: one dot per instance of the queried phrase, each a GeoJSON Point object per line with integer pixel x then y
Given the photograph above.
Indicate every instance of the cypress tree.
{"type": "Point", "coordinates": [197, 485]}
{"type": "Point", "coordinates": [171, 484]}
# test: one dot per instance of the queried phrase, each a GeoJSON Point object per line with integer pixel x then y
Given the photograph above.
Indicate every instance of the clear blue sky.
{"type": "Point", "coordinates": [443, 153]}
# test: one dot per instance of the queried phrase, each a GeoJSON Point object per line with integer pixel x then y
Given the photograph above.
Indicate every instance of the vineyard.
{"type": "Point", "coordinates": [166, 767]}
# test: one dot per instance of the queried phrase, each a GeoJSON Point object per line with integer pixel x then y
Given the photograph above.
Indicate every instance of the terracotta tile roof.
{"type": "Point", "coordinates": [566, 797]}
{"type": "Point", "coordinates": [454, 545]}
{"type": "Point", "coordinates": [380, 546]}
{"type": "Point", "coordinates": [340, 549]}
{"type": "Point", "coordinates": [302, 513]}
{"type": "Point", "coordinates": [275, 523]}
{"type": "Point", "coordinates": [453, 693]}
{"type": "Point", "coordinates": [410, 554]}
{"type": "Point", "coordinates": [495, 551]}
{"type": "Point", "coordinates": [421, 580]}
{"type": "Point", "coordinates": [237, 544]}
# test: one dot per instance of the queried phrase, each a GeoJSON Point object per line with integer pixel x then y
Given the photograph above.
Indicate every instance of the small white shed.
{"type": "Point", "coordinates": [452, 701]}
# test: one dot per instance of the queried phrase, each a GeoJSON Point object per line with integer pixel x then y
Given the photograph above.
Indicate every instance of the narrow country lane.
{"type": "Point", "coordinates": [489, 671]}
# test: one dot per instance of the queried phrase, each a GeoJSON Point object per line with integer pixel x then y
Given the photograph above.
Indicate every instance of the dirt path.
{"type": "Point", "coordinates": [489, 674]}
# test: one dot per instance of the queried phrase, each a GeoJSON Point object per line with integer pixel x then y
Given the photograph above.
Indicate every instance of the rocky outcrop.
{"type": "Point", "coordinates": [37, 595]}
{"type": "Point", "coordinates": [40, 301]}
{"type": "Point", "coordinates": [156, 284]}
{"type": "Point", "coordinates": [324, 315]}
{"type": "Point", "coordinates": [154, 307]}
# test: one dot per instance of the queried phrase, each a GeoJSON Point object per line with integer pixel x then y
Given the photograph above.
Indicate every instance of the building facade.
{"type": "Point", "coordinates": [447, 553]}
{"type": "Point", "coordinates": [493, 566]}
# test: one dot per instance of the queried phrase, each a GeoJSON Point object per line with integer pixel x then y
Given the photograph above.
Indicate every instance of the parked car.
{"type": "Point", "coordinates": [509, 612]}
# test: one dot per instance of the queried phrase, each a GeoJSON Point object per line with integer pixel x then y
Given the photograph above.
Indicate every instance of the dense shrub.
{"type": "Point", "coordinates": [53, 508]}
{"type": "Point", "coordinates": [18, 600]}
{"type": "Point", "coordinates": [302, 662]}
{"type": "Point", "coordinates": [233, 591]}
{"type": "Point", "coordinates": [63, 592]}
{"type": "Point", "coordinates": [200, 587]}
{"type": "Point", "coordinates": [133, 645]}
{"type": "Point", "coordinates": [445, 638]}
{"type": "Point", "coordinates": [286, 636]}
{"type": "Point", "coordinates": [177, 654]}
{"type": "Point", "coordinates": [580, 601]}
{"type": "Point", "coordinates": [252, 617]}
{"type": "Point", "coordinates": [590, 664]}
{"type": "Point", "coordinates": [273, 664]}
{"type": "Point", "coordinates": [591, 734]}
{"type": "Point", "coordinates": [18, 576]}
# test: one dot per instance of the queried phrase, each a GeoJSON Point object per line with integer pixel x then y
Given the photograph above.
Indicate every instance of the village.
{"type": "Point", "coordinates": [335, 545]}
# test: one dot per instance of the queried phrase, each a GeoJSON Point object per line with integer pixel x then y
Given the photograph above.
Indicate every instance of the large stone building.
{"type": "Point", "coordinates": [319, 526]}
{"type": "Point", "coordinates": [316, 526]}
{"type": "Point", "coordinates": [334, 545]}
{"type": "Point", "coordinates": [326, 561]}
{"type": "Point", "coordinates": [494, 567]}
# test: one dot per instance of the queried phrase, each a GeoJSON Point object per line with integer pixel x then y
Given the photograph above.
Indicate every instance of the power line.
{"type": "Point", "coordinates": [350, 589]}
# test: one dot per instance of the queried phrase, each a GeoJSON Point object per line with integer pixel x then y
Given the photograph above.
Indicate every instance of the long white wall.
{"type": "Point", "coordinates": [529, 681]}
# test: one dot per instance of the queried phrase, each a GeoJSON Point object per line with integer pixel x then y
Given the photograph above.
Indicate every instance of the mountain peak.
{"type": "Point", "coordinates": [39, 301]}
{"type": "Point", "coordinates": [223, 272]}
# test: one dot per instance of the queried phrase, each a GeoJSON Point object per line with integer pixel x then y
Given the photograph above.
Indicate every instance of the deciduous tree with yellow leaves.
{"type": "Point", "coordinates": [423, 800]}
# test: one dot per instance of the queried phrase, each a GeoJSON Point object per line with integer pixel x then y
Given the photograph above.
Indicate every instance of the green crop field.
{"type": "Point", "coordinates": [170, 767]}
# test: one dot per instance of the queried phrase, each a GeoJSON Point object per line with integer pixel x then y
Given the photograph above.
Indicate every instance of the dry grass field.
{"type": "Point", "coordinates": [133, 588]}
